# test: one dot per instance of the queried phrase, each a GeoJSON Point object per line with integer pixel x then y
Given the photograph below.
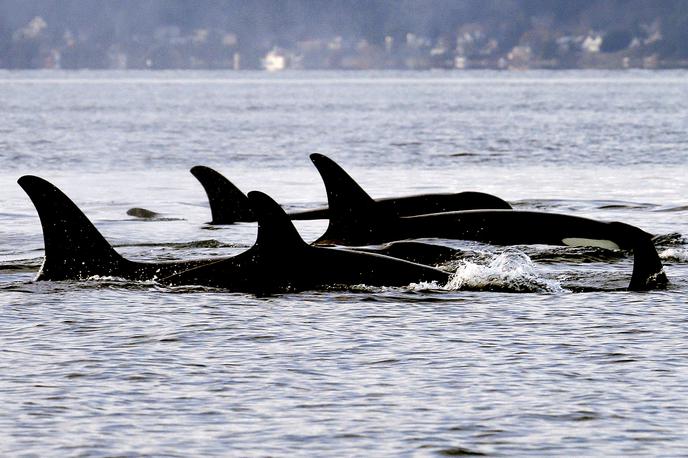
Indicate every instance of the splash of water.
{"type": "Point", "coordinates": [674, 255]}
{"type": "Point", "coordinates": [510, 271]}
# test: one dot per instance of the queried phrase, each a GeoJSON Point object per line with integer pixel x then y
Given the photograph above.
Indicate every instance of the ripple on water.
{"type": "Point", "coordinates": [114, 368]}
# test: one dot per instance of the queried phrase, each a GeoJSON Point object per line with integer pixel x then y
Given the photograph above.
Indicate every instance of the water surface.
{"type": "Point", "coordinates": [106, 367]}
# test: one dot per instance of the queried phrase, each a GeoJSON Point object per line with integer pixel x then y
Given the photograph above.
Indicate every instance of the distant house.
{"type": "Point", "coordinates": [274, 61]}
{"type": "Point", "coordinates": [592, 43]}
{"type": "Point", "coordinates": [519, 57]}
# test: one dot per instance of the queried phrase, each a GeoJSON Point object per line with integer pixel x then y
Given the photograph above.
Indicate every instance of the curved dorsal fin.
{"type": "Point", "coordinates": [228, 204]}
{"type": "Point", "coordinates": [73, 246]}
{"type": "Point", "coordinates": [276, 232]}
{"type": "Point", "coordinates": [351, 209]}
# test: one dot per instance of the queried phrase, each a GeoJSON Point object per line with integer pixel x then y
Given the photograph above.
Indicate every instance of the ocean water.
{"type": "Point", "coordinates": [527, 351]}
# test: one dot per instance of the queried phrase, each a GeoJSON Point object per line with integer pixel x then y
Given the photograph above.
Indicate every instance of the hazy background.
{"type": "Point", "coordinates": [351, 34]}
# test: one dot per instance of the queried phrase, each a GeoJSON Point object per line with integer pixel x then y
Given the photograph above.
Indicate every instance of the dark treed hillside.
{"type": "Point", "coordinates": [343, 33]}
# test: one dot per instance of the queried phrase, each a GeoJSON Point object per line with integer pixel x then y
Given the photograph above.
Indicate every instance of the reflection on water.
{"type": "Point", "coordinates": [528, 351]}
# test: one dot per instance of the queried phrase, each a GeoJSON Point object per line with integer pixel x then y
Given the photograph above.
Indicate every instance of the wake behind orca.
{"type": "Point", "coordinates": [279, 260]}
{"type": "Point", "coordinates": [229, 205]}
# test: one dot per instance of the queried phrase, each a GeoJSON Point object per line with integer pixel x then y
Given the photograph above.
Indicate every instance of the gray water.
{"type": "Point", "coordinates": [510, 358]}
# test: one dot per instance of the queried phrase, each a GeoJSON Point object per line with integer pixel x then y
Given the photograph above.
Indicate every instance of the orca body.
{"type": "Point", "coordinates": [229, 205]}
{"type": "Point", "coordinates": [356, 220]}
{"type": "Point", "coordinates": [279, 260]}
{"type": "Point", "coordinates": [429, 254]}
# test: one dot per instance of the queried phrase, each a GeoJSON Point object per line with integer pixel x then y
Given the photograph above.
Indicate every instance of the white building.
{"type": "Point", "coordinates": [274, 61]}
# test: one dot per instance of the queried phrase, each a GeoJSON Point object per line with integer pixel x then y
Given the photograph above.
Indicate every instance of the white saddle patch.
{"type": "Point", "coordinates": [608, 244]}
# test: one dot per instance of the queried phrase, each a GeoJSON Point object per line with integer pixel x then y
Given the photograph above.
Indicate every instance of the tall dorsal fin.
{"type": "Point", "coordinates": [228, 204]}
{"type": "Point", "coordinates": [276, 232]}
{"type": "Point", "coordinates": [343, 193]}
{"type": "Point", "coordinates": [351, 209]}
{"type": "Point", "coordinates": [73, 246]}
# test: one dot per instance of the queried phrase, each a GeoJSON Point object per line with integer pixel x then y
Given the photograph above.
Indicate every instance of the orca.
{"type": "Point", "coordinates": [279, 260]}
{"type": "Point", "coordinates": [356, 220]}
{"type": "Point", "coordinates": [75, 249]}
{"type": "Point", "coordinates": [429, 254]}
{"type": "Point", "coordinates": [143, 213]}
{"type": "Point", "coordinates": [229, 205]}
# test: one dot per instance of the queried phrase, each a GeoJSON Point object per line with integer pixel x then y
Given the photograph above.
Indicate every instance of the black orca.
{"type": "Point", "coordinates": [229, 205]}
{"type": "Point", "coordinates": [429, 254]}
{"type": "Point", "coordinates": [75, 249]}
{"type": "Point", "coordinates": [281, 260]}
{"type": "Point", "coordinates": [355, 220]}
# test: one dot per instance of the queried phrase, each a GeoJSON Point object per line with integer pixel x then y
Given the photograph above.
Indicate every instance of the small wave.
{"type": "Point", "coordinates": [210, 243]}
{"type": "Point", "coordinates": [621, 205]}
{"type": "Point", "coordinates": [679, 208]}
{"type": "Point", "coordinates": [21, 265]}
{"type": "Point", "coordinates": [425, 286]}
{"type": "Point", "coordinates": [674, 255]}
{"type": "Point", "coordinates": [673, 238]}
{"type": "Point", "coordinates": [510, 271]}
{"type": "Point", "coordinates": [106, 278]}
{"type": "Point", "coordinates": [574, 254]}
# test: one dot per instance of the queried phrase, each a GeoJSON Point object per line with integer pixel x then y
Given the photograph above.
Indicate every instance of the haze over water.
{"type": "Point", "coordinates": [510, 359]}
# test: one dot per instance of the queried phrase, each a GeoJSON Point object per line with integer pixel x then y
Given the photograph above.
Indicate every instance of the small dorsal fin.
{"type": "Point", "coordinates": [73, 246]}
{"type": "Point", "coordinates": [228, 204]}
{"type": "Point", "coordinates": [275, 230]}
{"type": "Point", "coordinates": [351, 209]}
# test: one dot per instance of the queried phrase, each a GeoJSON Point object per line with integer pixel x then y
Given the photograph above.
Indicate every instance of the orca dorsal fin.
{"type": "Point", "coordinates": [228, 204]}
{"type": "Point", "coordinates": [351, 209]}
{"type": "Point", "coordinates": [276, 232]}
{"type": "Point", "coordinates": [73, 246]}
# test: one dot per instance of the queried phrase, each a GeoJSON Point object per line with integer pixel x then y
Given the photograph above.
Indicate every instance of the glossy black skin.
{"type": "Point", "coordinates": [229, 205]}
{"type": "Point", "coordinates": [355, 221]}
{"type": "Point", "coordinates": [419, 205]}
{"type": "Point", "coordinates": [261, 272]}
{"type": "Point", "coordinates": [75, 249]}
{"type": "Point", "coordinates": [280, 260]}
{"type": "Point", "coordinates": [510, 227]}
{"type": "Point", "coordinates": [429, 254]}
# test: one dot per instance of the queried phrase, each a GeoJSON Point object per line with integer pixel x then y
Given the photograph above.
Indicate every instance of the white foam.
{"type": "Point", "coordinates": [105, 278]}
{"type": "Point", "coordinates": [674, 255]}
{"type": "Point", "coordinates": [425, 286]}
{"type": "Point", "coordinates": [511, 270]}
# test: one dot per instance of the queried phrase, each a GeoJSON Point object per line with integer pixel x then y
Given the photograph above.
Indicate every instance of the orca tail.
{"type": "Point", "coordinates": [351, 209]}
{"type": "Point", "coordinates": [276, 232]}
{"type": "Point", "coordinates": [228, 204]}
{"type": "Point", "coordinates": [648, 271]}
{"type": "Point", "coordinates": [74, 248]}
